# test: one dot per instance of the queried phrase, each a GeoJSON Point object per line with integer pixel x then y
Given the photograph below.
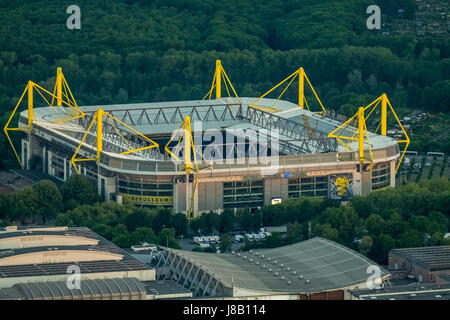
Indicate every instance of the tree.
{"type": "Point", "coordinates": [380, 248]}
{"type": "Point", "coordinates": [6, 207]}
{"type": "Point", "coordinates": [330, 233]}
{"type": "Point", "coordinates": [366, 245]}
{"type": "Point", "coordinates": [25, 205]}
{"type": "Point", "coordinates": [167, 238]}
{"type": "Point", "coordinates": [294, 232]}
{"type": "Point", "coordinates": [227, 221]}
{"type": "Point", "coordinates": [140, 217]}
{"type": "Point", "coordinates": [179, 222]}
{"type": "Point", "coordinates": [78, 190]}
{"type": "Point", "coordinates": [163, 218]}
{"type": "Point", "coordinates": [375, 224]}
{"type": "Point", "coordinates": [49, 199]}
{"type": "Point", "coordinates": [143, 234]}
{"type": "Point", "coordinates": [225, 242]}
{"type": "Point", "coordinates": [274, 240]}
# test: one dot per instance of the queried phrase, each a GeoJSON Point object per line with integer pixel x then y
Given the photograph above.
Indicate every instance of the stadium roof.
{"type": "Point", "coordinates": [313, 265]}
{"type": "Point", "coordinates": [159, 118]}
{"type": "Point", "coordinates": [432, 258]}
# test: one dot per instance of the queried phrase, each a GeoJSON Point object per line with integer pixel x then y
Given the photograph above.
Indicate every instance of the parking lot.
{"type": "Point", "coordinates": [420, 167]}
{"type": "Point", "coordinates": [190, 243]}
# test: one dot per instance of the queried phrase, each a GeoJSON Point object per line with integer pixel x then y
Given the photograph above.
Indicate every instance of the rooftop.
{"type": "Point", "coordinates": [126, 262]}
{"type": "Point", "coordinates": [412, 291]}
{"type": "Point", "coordinates": [295, 125]}
{"type": "Point", "coordinates": [309, 266]}
{"type": "Point", "coordinates": [432, 258]}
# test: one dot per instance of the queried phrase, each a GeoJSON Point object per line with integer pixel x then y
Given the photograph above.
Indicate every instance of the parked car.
{"type": "Point", "coordinates": [249, 237]}
{"type": "Point", "coordinates": [238, 238]}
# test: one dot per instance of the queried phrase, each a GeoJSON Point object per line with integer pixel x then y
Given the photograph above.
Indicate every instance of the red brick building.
{"type": "Point", "coordinates": [425, 264]}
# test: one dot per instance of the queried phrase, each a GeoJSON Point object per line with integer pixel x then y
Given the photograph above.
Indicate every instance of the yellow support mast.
{"type": "Point", "coordinates": [362, 132]}
{"type": "Point", "coordinates": [384, 102]}
{"type": "Point", "coordinates": [219, 76]}
{"type": "Point", "coordinates": [300, 73]}
{"type": "Point", "coordinates": [359, 135]}
{"type": "Point", "coordinates": [30, 89]}
{"type": "Point", "coordinates": [99, 117]}
{"type": "Point", "coordinates": [190, 152]}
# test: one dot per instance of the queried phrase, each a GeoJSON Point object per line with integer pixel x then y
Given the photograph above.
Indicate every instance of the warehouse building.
{"type": "Point", "coordinates": [38, 262]}
{"type": "Point", "coordinates": [311, 269]}
{"type": "Point", "coordinates": [424, 264]}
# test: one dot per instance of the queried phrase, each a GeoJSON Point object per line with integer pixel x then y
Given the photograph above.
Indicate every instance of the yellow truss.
{"type": "Point", "coordinates": [360, 135]}
{"type": "Point", "coordinates": [220, 75]}
{"type": "Point", "coordinates": [301, 75]}
{"type": "Point", "coordinates": [384, 102]}
{"type": "Point", "coordinates": [361, 119]}
{"type": "Point", "coordinates": [60, 92]}
{"type": "Point", "coordinates": [98, 117]}
{"type": "Point", "coordinates": [186, 135]}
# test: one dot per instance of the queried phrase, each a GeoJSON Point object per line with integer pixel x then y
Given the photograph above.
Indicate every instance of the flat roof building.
{"type": "Point", "coordinates": [36, 263]}
{"type": "Point", "coordinates": [315, 268]}
{"type": "Point", "coordinates": [425, 264]}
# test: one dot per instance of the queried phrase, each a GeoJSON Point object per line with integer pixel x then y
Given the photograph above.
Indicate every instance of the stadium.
{"type": "Point", "coordinates": [232, 152]}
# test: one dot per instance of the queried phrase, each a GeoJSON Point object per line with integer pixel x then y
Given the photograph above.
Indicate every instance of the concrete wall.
{"type": "Point", "coordinates": [275, 188]}
{"type": "Point", "coordinates": [210, 196]}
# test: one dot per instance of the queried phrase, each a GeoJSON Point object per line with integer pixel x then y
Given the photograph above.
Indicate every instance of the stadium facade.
{"type": "Point", "coordinates": [306, 163]}
{"type": "Point", "coordinates": [239, 151]}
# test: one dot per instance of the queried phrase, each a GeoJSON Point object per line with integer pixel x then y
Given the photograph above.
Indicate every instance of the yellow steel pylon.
{"type": "Point", "coordinates": [185, 133]}
{"type": "Point", "coordinates": [60, 85]}
{"type": "Point", "coordinates": [219, 75]}
{"type": "Point", "coordinates": [359, 134]}
{"type": "Point", "coordinates": [384, 102]}
{"type": "Point", "coordinates": [99, 116]}
{"type": "Point", "coordinates": [300, 73]}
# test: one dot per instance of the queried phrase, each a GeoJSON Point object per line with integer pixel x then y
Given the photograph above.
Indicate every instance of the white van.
{"type": "Point", "coordinates": [198, 240]}
{"type": "Point", "coordinates": [249, 237]}
{"type": "Point", "coordinates": [238, 238]}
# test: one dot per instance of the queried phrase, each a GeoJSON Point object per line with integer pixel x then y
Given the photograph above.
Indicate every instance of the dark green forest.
{"type": "Point", "coordinates": [142, 51]}
{"type": "Point", "coordinates": [162, 50]}
{"type": "Point", "coordinates": [411, 215]}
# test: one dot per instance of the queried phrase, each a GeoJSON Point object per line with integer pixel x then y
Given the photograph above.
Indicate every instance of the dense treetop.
{"type": "Point", "coordinates": [141, 51]}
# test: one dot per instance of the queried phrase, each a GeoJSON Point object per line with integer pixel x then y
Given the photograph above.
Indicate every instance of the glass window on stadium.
{"type": "Point", "coordinates": [243, 194]}
{"type": "Point", "coordinates": [381, 176]}
{"type": "Point", "coordinates": [156, 188]}
{"type": "Point", "coordinates": [57, 163]}
{"type": "Point", "coordinates": [308, 186]}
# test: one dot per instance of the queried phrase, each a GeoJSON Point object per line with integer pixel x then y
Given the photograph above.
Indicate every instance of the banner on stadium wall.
{"type": "Point", "coordinates": [341, 186]}
{"type": "Point", "coordinates": [151, 200]}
